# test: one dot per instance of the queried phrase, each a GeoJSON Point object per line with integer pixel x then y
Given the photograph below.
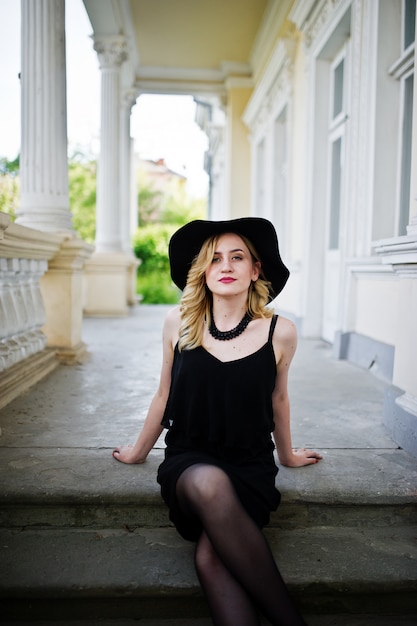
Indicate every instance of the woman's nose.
{"type": "Point", "coordinates": [226, 265]}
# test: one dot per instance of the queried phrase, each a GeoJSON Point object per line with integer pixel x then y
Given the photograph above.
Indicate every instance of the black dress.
{"type": "Point", "coordinates": [220, 413]}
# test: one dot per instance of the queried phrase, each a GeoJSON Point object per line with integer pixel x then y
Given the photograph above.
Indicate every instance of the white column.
{"type": "Point", "coordinates": [412, 224]}
{"type": "Point", "coordinates": [43, 160]}
{"type": "Point", "coordinates": [111, 53]}
{"type": "Point", "coordinates": [134, 216]}
{"type": "Point", "coordinates": [128, 100]}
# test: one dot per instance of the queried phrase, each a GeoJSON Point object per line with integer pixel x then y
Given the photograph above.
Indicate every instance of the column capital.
{"type": "Point", "coordinates": [128, 98]}
{"type": "Point", "coordinates": [111, 51]}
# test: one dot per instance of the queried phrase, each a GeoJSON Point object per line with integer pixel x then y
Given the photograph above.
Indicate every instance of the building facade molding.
{"type": "Point", "coordinates": [400, 253]}
{"type": "Point", "coordinates": [274, 86]}
{"type": "Point", "coordinates": [323, 17]}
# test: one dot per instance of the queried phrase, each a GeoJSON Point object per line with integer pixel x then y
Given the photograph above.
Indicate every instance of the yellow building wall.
{"type": "Point", "coordinates": [239, 159]}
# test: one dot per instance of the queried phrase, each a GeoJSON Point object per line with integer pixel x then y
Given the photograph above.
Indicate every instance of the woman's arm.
{"type": "Point", "coordinates": [152, 427]}
{"type": "Point", "coordinates": [285, 343]}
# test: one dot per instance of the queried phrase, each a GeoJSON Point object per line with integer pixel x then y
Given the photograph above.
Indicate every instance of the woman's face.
{"type": "Point", "coordinates": [232, 269]}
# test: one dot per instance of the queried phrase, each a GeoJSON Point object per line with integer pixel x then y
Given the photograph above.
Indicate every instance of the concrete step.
{"type": "Point", "coordinates": [149, 574]}
{"type": "Point", "coordinates": [86, 538]}
{"type": "Point", "coordinates": [87, 488]}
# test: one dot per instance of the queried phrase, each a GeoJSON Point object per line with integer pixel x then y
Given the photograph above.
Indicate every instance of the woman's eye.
{"type": "Point", "coordinates": [216, 259]}
{"type": "Point", "coordinates": [237, 257]}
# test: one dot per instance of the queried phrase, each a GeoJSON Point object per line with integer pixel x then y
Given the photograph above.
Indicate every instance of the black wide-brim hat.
{"type": "Point", "coordinates": [185, 244]}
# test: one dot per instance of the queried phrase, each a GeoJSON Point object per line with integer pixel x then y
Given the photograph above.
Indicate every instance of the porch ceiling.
{"type": "Point", "coordinates": [200, 34]}
{"type": "Point", "coordinates": [186, 46]}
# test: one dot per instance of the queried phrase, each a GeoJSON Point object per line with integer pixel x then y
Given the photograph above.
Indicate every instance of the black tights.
{"type": "Point", "coordinates": [233, 561]}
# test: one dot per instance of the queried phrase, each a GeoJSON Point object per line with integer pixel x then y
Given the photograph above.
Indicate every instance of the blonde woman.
{"type": "Point", "coordinates": [223, 399]}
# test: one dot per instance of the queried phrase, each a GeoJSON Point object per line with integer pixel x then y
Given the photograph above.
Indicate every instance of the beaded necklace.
{"type": "Point", "coordinates": [229, 334]}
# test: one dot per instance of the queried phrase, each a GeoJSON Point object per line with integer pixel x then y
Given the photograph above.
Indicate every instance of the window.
{"type": "Point", "coordinates": [335, 193]}
{"type": "Point", "coordinates": [409, 23]}
{"type": "Point", "coordinates": [338, 74]}
{"type": "Point", "coordinates": [336, 145]}
{"type": "Point", "coordinates": [403, 71]}
{"type": "Point", "coordinates": [405, 181]}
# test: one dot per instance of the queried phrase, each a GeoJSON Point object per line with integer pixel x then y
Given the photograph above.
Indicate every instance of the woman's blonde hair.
{"type": "Point", "coordinates": [196, 301]}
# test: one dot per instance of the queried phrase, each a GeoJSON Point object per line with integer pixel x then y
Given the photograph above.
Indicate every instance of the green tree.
{"type": "Point", "coordinates": [82, 196]}
{"type": "Point", "coordinates": [9, 186]}
{"type": "Point", "coordinates": [9, 167]}
{"type": "Point", "coordinates": [149, 200]}
{"type": "Point", "coordinates": [180, 208]}
{"type": "Point", "coordinates": [163, 206]}
{"type": "Point", "coordinates": [150, 244]}
{"type": "Point", "coordinates": [82, 192]}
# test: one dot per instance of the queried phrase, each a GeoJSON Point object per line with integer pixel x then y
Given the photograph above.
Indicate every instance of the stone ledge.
{"type": "Point", "coordinates": [82, 487]}
{"type": "Point", "coordinates": [17, 379]}
{"type": "Point", "coordinates": [80, 474]}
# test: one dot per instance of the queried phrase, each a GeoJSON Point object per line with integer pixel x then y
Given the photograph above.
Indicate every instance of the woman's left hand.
{"type": "Point", "coordinates": [301, 457]}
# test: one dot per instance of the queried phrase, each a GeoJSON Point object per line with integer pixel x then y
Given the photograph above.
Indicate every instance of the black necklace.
{"type": "Point", "coordinates": [229, 334]}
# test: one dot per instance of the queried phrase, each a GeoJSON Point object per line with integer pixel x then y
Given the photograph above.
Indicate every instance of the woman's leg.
{"type": "Point", "coordinates": [228, 601]}
{"type": "Point", "coordinates": [207, 492]}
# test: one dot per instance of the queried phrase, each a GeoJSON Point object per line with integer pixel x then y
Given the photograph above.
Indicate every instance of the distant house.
{"type": "Point", "coordinates": [160, 175]}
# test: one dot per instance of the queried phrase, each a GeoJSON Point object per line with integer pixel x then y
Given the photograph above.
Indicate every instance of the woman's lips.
{"type": "Point", "coordinates": [227, 280]}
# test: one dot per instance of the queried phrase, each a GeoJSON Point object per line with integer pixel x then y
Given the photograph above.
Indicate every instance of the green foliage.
{"type": "Point", "coordinates": [82, 192]}
{"type": "Point", "coordinates": [149, 200]}
{"type": "Point", "coordinates": [82, 197]}
{"type": "Point", "coordinates": [9, 194]}
{"type": "Point", "coordinates": [156, 288]}
{"type": "Point", "coordinates": [9, 186]}
{"type": "Point", "coordinates": [9, 167]}
{"type": "Point", "coordinates": [180, 208]}
{"type": "Point", "coordinates": [154, 283]}
{"type": "Point", "coordinates": [150, 244]}
{"type": "Point", "coordinates": [167, 202]}
{"type": "Point", "coordinates": [163, 207]}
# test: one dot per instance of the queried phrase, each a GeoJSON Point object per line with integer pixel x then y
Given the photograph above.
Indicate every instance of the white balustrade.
{"type": "Point", "coordinates": [21, 310]}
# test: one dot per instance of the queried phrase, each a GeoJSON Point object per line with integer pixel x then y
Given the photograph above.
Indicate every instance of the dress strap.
{"type": "Point", "coordinates": [272, 327]}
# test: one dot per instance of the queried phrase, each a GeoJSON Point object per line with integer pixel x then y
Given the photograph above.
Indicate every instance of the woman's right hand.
{"type": "Point", "coordinates": [127, 454]}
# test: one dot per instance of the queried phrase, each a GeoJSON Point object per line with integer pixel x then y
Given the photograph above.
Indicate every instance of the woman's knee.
{"type": "Point", "coordinates": [204, 483]}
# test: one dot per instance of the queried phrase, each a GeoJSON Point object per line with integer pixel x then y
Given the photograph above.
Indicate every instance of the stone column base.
{"type": "Point", "coordinates": [74, 355]}
{"type": "Point", "coordinates": [62, 292]}
{"type": "Point", "coordinates": [106, 287]}
{"type": "Point", "coordinates": [20, 377]}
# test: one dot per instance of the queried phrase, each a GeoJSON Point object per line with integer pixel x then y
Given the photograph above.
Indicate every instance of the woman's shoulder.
{"type": "Point", "coordinates": [172, 324]}
{"type": "Point", "coordinates": [284, 341]}
{"type": "Point", "coordinates": [285, 330]}
{"type": "Point", "coordinates": [173, 315]}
